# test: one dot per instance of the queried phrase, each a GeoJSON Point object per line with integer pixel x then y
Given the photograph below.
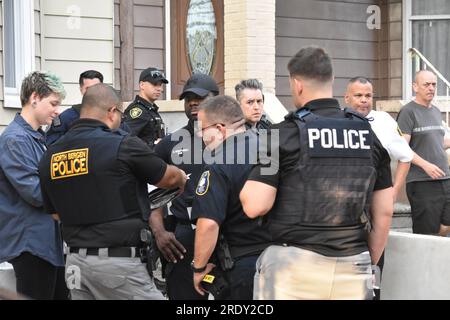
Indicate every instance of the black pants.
{"type": "Point", "coordinates": [38, 279]}
{"type": "Point", "coordinates": [179, 276]}
{"type": "Point", "coordinates": [430, 205]}
{"type": "Point", "coordinates": [241, 278]}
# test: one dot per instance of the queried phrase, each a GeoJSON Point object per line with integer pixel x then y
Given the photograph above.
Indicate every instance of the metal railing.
{"type": "Point", "coordinates": [419, 62]}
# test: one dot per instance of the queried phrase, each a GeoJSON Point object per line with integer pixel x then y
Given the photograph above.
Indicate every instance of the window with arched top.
{"type": "Point", "coordinates": [196, 41]}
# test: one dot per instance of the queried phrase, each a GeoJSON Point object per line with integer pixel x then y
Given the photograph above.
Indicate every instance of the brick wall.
{"type": "Point", "coordinates": [249, 42]}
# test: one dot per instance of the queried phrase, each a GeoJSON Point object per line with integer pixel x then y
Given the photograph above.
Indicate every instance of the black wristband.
{"type": "Point", "coordinates": [197, 270]}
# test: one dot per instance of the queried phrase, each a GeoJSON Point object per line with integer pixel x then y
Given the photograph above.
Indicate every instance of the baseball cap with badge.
{"type": "Point", "coordinates": [201, 85]}
{"type": "Point", "coordinates": [153, 75]}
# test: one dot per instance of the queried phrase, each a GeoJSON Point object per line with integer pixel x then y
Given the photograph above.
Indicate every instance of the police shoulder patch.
{"type": "Point", "coordinates": [203, 184]}
{"type": "Point", "coordinates": [135, 113]}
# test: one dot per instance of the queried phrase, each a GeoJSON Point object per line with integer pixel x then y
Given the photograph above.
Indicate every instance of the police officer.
{"type": "Point", "coordinates": [249, 94]}
{"type": "Point", "coordinates": [216, 205]}
{"type": "Point", "coordinates": [142, 115]}
{"type": "Point", "coordinates": [94, 179]}
{"type": "Point", "coordinates": [62, 123]}
{"type": "Point", "coordinates": [184, 148]}
{"type": "Point", "coordinates": [330, 166]}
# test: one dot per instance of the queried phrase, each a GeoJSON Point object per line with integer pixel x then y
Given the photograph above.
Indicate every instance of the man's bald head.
{"type": "Point", "coordinates": [425, 87]}
{"type": "Point", "coordinates": [423, 73]}
{"type": "Point", "coordinates": [100, 97]}
{"type": "Point", "coordinates": [102, 102]}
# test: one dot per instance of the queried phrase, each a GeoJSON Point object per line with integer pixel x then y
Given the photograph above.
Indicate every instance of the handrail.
{"type": "Point", "coordinates": [416, 53]}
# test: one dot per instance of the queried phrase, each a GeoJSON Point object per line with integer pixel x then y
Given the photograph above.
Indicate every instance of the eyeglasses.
{"type": "Point", "coordinates": [212, 125]}
{"type": "Point", "coordinates": [116, 108]}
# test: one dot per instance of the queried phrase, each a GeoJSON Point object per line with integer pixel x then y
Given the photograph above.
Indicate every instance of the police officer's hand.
{"type": "Point", "coordinates": [433, 171]}
{"type": "Point", "coordinates": [198, 277]}
{"type": "Point", "coordinates": [169, 246]}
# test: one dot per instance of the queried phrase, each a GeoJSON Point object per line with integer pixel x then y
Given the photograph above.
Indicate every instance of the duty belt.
{"type": "Point", "coordinates": [116, 252]}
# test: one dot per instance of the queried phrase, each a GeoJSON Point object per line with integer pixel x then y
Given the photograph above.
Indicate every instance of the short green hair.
{"type": "Point", "coordinates": [43, 83]}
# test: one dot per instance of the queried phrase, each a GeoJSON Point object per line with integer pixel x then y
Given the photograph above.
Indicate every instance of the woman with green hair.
{"type": "Point", "coordinates": [30, 239]}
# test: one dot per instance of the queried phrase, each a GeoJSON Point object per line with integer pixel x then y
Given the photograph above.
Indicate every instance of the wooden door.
{"type": "Point", "coordinates": [181, 61]}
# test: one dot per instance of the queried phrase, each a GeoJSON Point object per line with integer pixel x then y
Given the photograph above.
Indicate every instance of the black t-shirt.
{"type": "Point", "coordinates": [217, 196]}
{"type": "Point", "coordinates": [341, 241]}
{"type": "Point", "coordinates": [135, 161]}
{"type": "Point", "coordinates": [184, 149]}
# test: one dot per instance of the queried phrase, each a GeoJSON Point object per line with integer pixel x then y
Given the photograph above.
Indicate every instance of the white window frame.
{"type": "Point", "coordinates": [167, 47]}
{"type": "Point", "coordinates": [24, 49]}
{"type": "Point", "coordinates": [408, 19]}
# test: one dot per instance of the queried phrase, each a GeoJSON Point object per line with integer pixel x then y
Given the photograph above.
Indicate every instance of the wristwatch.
{"type": "Point", "coordinates": [197, 270]}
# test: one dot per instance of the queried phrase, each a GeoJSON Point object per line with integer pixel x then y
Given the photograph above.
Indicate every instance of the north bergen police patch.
{"type": "Point", "coordinates": [203, 184]}
{"type": "Point", "coordinates": [69, 164]}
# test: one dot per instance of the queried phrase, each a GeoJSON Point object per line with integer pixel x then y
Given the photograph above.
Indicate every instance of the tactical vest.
{"type": "Point", "coordinates": [84, 183]}
{"type": "Point", "coordinates": [332, 182]}
{"type": "Point", "coordinates": [156, 128]}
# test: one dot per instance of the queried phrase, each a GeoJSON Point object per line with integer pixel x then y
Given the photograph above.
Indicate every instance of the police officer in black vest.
{"type": "Point", "coordinates": [142, 115]}
{"type": "Point", "coordinates": [183, 148]}
{"type": "Point", "coordinates": [217, 206]}
{"type": "Point", "coordinates": [94, 179]}
{"type": "Point", "coordinates": [331, 169]}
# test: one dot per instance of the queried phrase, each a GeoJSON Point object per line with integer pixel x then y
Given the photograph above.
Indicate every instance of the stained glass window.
{"type": "Point", "coordinates": [201, 35]}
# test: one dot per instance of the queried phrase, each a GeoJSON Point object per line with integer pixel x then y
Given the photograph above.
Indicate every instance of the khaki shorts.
{"type": "Point", "coordinates": [290, 273]}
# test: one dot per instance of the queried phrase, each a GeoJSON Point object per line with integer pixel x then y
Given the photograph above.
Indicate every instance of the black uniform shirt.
{"type": "Point", "coordinates": [144, 121]}
{"type": "Point", "coordinates": [184, 149]}
{"type": "Point", "coordinates": [217, 197]}
{"type": "Point", "coordinates": [136, 161]}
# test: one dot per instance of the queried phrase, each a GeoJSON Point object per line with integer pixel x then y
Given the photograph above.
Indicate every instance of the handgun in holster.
{"type": "Point", "coordinates": [223, 254]}
{"type": "Point", "coordinates": [148, 254]}
{"type": "Point", "coordinates": [216, 282]}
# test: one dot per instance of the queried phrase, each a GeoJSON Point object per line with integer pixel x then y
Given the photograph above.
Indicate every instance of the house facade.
{"type": "Point", "coordinates": [229, 39]}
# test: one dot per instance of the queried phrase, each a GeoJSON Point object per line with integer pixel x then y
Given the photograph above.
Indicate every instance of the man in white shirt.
{"type": "Point", "coordinates": [359, 96]}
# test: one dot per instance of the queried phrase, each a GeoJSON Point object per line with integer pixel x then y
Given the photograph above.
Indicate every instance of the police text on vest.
{"type": "Point", "coordinates": [338, 138]}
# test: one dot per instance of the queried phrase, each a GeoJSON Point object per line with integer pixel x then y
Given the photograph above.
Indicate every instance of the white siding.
{"type": "Point", "coordinates": [72, 44]}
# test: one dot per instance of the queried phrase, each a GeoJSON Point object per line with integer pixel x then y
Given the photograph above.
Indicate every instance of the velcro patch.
{"type": "Point", "coordinates": [69, 164]}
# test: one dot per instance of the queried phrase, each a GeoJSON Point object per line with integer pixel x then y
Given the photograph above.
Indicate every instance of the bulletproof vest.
{"type": "Point", "coordinates": [155, 128]}
{"type": "Point", "coordinates": [333, 179]}
{"type": "Point", "coordinates": [84, 183]}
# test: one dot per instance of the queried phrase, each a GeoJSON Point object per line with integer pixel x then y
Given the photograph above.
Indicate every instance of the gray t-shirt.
{"type": "Point", "coordinates": [424, 125]}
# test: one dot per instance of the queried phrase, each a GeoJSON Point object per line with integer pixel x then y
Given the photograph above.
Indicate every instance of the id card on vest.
{"type": "Point", "coordinates": [344, 138]}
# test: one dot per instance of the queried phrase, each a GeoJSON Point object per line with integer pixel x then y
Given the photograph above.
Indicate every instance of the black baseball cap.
{"type": "Point", "coordinates": [200, 84]}
{"type": "Point", "coordinates": [153, 75]}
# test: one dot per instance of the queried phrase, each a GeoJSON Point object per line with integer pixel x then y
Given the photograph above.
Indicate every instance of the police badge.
{"type": "Point", "coordinates": [203, 184]}
{"type": "Point", "coordinates": [135, 113]}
